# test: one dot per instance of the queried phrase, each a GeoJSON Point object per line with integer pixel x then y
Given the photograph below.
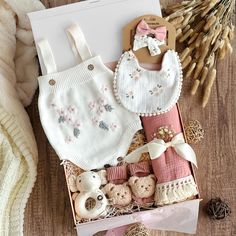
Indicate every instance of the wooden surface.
{"type": "Point", "coordinates": [48, 212]}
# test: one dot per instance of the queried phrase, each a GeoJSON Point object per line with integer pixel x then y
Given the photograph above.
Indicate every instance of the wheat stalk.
{"type": "Point", "coordinates": [206, 26]}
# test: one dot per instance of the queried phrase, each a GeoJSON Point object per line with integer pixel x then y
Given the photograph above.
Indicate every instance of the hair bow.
{"type": "Point", "coordinates": [158, 146]}
{"type": "Point", "coordinates": [142, 39]}
{"type": "Point", "coordinates": [144, 29]}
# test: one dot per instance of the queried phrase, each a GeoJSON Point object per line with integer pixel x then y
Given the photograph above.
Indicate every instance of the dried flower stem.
{"type": "Point", "coordinates": [195, 86]}
{"type": "Point", "coordinates": [206, 26]}
{"type": "Point", "coordinates": [207, 92]}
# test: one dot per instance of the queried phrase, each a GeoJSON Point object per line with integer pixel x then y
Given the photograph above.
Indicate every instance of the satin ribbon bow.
{"type": "Point", "coordinates": [158, 146]}
{"type": "Point", "coordinates": [144, 29]}
{"type": "Point", "coordinates": [142, 39]}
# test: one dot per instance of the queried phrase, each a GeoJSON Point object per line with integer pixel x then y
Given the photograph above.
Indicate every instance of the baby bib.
{"type": "Point", "coordinates": [148, 92]}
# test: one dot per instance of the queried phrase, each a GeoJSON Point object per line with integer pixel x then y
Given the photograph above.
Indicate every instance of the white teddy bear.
{"type": "Point", "coordinates": [88, 184]}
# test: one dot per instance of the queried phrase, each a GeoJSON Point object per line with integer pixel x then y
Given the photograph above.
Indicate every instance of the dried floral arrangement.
{"type": "Point", "coordinates": [194, 131]}
{"type": "Point", "coordinates": [207, 29]}
{"type": "Point", "coordinates": [137, 229]}
{"type": "Point", "coordinates": [217, 209]}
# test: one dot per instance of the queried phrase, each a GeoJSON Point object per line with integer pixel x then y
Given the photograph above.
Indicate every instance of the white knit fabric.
{"type": "Point", "coordinates": [18, 149]}
{"type": "Point", "coordinates": [20, 65]}
{"type": "Point", "coordinates": [79, 113]}
{"type": "Point", "coordinates": [148, 92]}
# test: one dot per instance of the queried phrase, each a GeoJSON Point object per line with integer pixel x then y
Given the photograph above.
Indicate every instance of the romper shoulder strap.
{"type": "Point", "coordinates": [78, 42]}
{"type": "Point", "coordinates": [46, 56]}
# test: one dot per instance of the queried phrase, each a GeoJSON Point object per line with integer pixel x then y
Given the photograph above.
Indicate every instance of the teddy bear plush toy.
{"type": "Point", "coordinates": [119, 194]}
{"type": "Point", "coordinates": [88, 184]}
{"type": "Point", "coordinates": [143, 189]}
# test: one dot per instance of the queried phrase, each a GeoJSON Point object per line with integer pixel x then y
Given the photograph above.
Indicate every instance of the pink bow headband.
{"type": "Point", "coordinates": [144, 29]}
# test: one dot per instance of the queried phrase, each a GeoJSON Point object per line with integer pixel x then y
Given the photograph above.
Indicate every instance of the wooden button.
{"type": "Point", "coordinates": [90, 67]}
{"type": "Point", "coordinates": [99, 197]}
{"type": "Point", "coordinates": [52, 82]}
{"type": "Point", "coordinates": [107, 166]}
{"type": "Point", "coordinates": [120, 159]}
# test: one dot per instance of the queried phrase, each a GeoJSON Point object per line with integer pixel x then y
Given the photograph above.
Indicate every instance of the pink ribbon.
{"type": "Point", "coordinates": [144, 29]}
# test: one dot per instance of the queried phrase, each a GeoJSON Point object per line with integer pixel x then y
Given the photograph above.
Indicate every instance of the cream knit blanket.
{"type": "Point", "coordinates": [18, 150]}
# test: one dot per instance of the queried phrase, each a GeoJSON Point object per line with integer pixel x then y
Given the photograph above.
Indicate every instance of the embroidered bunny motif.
{"type": "Point", "coordinates": [68, 116]}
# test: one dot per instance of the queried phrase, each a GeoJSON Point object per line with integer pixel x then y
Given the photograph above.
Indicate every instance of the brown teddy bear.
{"type": "Point", "coordinates": [143, 188]}
{"type": "Point", "coordinates": [119, 194]}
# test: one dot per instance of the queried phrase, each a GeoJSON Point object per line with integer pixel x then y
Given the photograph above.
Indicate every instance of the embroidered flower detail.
{"type": "Point", "coordinates": [113, 127]}
{"type": "Point", "coordinates": [103, 125]}
{"type": "Point", "coordinates": [92, 105]}
{"type": "Point", "coordinates": [72, 109]}
{"type": "Point", "coordinates": [61, 112]}
{"type": "Point", "coordinates": [100, 106]}
{"type": "Point", "coordinates": [76, 132]}
{"type": "Point", "coordinates": [130, 56]}
{"type": "Point", "coordinates": [130, 94]}
{"type": "Point", "coordinates": [108, 108]}
{"type": "Point", "coordinates": [165, 133]}
{"type": "Point", "coordinates": [135, 74]}
{"type": "Point", "coordinates": [69, 119]}
{"type": "Point", "coordinates": [68, 140]}
{"type": "Point", "coordinates": [95, 120]}
{"type": "Point", "coordinates": [168, 73]}
{"type": "Point", "coordinates": [77, 124]}
{"type": "Point", "coordinates": [98, 109]}
{"type": "Point", "coordinates": [157, 90]}
{"type": "Point", "coordinates": [66, 118]}
{"type": "Point", "coordinates": [61, 119]}
{"type": "Point", "coordinates": [101, 101]}
{"type": "Point", "coordinates": [104, 89]}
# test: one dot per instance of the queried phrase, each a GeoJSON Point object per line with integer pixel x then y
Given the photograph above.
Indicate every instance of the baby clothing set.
{"type": "Point", "coordinates": [153, 95]}
{"type": "Point", "coordinates": [90, 115]}
{"type": "Point", "coordinates": [161, 123]}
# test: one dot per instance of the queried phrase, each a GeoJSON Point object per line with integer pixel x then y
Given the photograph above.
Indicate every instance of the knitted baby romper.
{"type": "Point", "coordinates": [175, 180]}
{"type": "Point", "coordinates": [78, 110]}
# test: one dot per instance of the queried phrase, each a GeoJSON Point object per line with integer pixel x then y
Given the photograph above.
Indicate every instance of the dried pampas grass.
{"type": "Point", "coordinates": [207, 29]}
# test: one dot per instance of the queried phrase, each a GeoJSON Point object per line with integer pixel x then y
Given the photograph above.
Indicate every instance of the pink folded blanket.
{"type": "Point", "coordinates": [174, 178]}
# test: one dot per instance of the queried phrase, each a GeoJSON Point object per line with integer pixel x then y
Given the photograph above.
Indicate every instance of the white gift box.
{"type": "Point", "coordinates": [180, 217]}
{"type": "Point", "coordinates": [102, 22]}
